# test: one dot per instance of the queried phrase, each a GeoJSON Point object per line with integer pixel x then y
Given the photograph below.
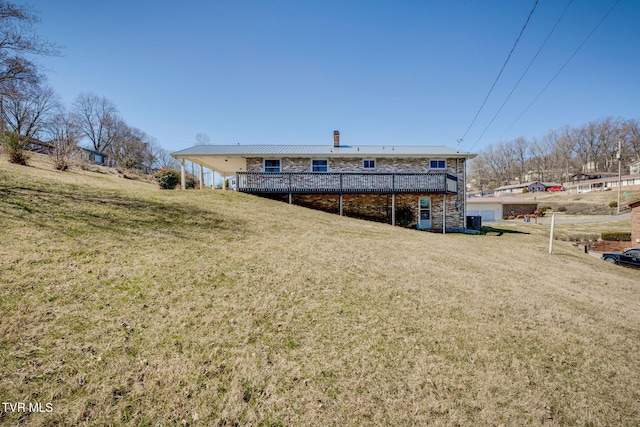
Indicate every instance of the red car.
{"type": "Point", "coordinates": [556, 188]}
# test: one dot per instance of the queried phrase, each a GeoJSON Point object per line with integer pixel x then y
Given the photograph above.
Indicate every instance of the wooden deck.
{"type": "Point", "coordinates": [346, 182]}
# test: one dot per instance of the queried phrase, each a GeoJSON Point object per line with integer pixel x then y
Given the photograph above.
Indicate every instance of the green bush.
{"type": "Point", "coordinates": [16, 147]}
{"type": "Point", "coordinates": [190, 182]}
{"type": "Point", "coordinates": [167, 178]}
{"type": "Point", "coordinates": [616, 236]}
{"type": "Point", "coordinates": [613, 204]}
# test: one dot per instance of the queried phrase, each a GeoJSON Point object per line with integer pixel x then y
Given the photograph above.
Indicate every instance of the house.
{"type": "Point", "coordinates": [496, 208]}
{"type": "Point", "coordinates": [531, 187]}
{"type": "Point", "coordinates": [93, 156]}
{"type": "Point", "coordinates": [588, 176]}
{"type": "Point", "coordinates": [41, 147]}
{"type": "Point", "coordinates": [421, 186]}
{"type": "Point", "coordinates": [627, 183]}
{"type": "Point", "coordinates": [635, 222]}
{"type": "Point", "coordinates": [634, 168]}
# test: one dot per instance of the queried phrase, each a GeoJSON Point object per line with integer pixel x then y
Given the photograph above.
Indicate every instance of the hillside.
{"type": "Point", "coordinates": [592, 203]}
{"type": "Point", "coordinates": [123, 304]}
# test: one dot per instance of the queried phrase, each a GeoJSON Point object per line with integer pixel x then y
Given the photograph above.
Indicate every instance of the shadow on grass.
{"type": "Point", "coordinates": [493, 231]}
{"type": "Point", "coordinates": [75, 211]}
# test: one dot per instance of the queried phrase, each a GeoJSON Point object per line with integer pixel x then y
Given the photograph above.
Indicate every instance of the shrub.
{"type": "Point", "coordinates": [404, 215]}
{"type": "Point", "coordinates": [613, 204]}
{"type": "Point", "coordinates": [561, 208]}
{"type": "Point", "coordinates": [616, 236]}
{"type": "Point", "coordinates": [16, 147]}
{"type": "Point", "coordinates": [167, 178]}
{"type": "Point", "coordinates": [580, 237]}
{"type": "Point", "coordinates": [190, 182]}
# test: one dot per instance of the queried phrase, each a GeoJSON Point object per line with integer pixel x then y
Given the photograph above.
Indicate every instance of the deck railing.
{"type": "Point", "coordinates": [345, 182]}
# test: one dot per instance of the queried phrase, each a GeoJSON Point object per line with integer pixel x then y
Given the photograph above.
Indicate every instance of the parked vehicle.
{"type": "Point", "coordinates": [556, 188]}
{"type": "Point", "coordinates": [629, 258]}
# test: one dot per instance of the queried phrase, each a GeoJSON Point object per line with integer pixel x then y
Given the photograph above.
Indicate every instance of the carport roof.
{"type": "Point", "coordinates": [260, 150]}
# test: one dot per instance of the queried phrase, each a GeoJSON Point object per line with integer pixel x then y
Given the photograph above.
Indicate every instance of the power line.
{"type": "Point", "coordinates": [523, 74]}
{"type": "Point", "coordinates": [563, 65]}
{"type": "Point", "coordinates": [502, 69]}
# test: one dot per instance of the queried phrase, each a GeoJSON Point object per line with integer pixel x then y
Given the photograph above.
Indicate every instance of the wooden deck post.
{"type": "Point", "coordinates": [201, 177]}
{"type": "Point", "coordinates": [444, 213]}
{"type": "Point", "coordinates": [393, 208]}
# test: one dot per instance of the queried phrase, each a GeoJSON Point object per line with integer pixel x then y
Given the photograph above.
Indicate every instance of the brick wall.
{"type": "Point", "coordinates": [383, 165]}
{"type": "Point", "coordinates": [376, 207]}
{"type": "Point", "coordinates": [609, 246]}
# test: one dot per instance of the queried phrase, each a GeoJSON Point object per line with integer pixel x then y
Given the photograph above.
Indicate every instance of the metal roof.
{"type": "Point", "coordinates": [322, 150]}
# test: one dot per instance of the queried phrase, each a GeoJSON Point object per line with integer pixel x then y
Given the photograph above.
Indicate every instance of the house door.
{"type": "Point", "coordinates": [424, 213]}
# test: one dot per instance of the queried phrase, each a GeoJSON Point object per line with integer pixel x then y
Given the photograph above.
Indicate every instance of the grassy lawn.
{"type": "Point", "coordinates": [122, 304]}
{"type": "Point", "coordinates": [563, 231]}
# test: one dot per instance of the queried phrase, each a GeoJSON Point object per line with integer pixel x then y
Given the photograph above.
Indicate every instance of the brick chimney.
{"type": "Point", "coordinates": [336, 138]}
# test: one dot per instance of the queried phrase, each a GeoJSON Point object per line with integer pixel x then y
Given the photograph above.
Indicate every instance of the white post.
{"type": "Point", "coordinates": [553, 223]}
{"type": "Point", "coordinates": [201, 177]}
{"type": "Point", "coordinates": [183, 178]}
{"type": "Point", "coordinates": [619, 156]}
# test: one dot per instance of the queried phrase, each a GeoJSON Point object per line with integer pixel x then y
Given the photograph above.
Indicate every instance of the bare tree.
{"type": "Point", "coordinates": [18, 42]}
{"type": "Point", "coordinates": [129, 147]}
{"type": "Point", "coordinates": [24, 115]}
{"type": "Point", "coordinates": [96, 117]}
{"type": "Point", "coordinates": [631, 135]}
{"type": "Point", "coordinates": [541, 155]}
{"type": "Point", "coordinates": [163, 159]}
{"type": "Point", "coordinates": [519, 149]}
{"type": "Point", "coordinates": [25, 112]}
{"type": "Point", "coordinates": [480, 174]}
{"type": "Point", "coordinates": [202, 139]}
{"type": "Point", "coordinates": [64, 136]}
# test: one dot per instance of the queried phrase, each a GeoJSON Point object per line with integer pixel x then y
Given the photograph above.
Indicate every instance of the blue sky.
{"type": "Point", "coordinates": [381, 72]}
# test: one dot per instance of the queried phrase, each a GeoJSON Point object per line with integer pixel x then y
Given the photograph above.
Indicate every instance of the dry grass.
{"type": "Point", "coordinates": [122, 304]}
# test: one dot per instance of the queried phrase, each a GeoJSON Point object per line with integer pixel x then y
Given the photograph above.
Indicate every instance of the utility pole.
{"type": "Point", "coordinates": [619, 157]}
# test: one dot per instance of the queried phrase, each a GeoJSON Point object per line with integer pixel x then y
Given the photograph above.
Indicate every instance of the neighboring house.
{"type": "Point", "coordinates": [421, 186]}
{"type": "Point", "coordinates": [587, 176]}
{"type": "Point", "coordinates": [496, 208]}
{"type": "Point", "coordinates": [635, 222]}
{"type": "Point", "coordinates": [41, 147]}
{"type": "Point", "coordinates": [634, 168]}
{"type": "Point", "coordinates": [531, 187]}
{"type": "Point", "coordinates": [93, 156]}
{"type": "Point", "coordinates": [627, 182]}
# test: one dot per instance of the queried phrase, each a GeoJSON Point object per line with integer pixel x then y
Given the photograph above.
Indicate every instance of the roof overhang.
{"type": "Point", "coordinates": [227, 159]}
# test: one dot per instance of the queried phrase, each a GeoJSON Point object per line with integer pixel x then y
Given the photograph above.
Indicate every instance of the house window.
{"type": "Point", "coordinates": [369, 164]}
{"type": "Point", "coordinates": [319, 166]}
{"type": "Point", "coordinates": [438, 164]}
{"type": "Point", "coordinates": [272, 165]}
